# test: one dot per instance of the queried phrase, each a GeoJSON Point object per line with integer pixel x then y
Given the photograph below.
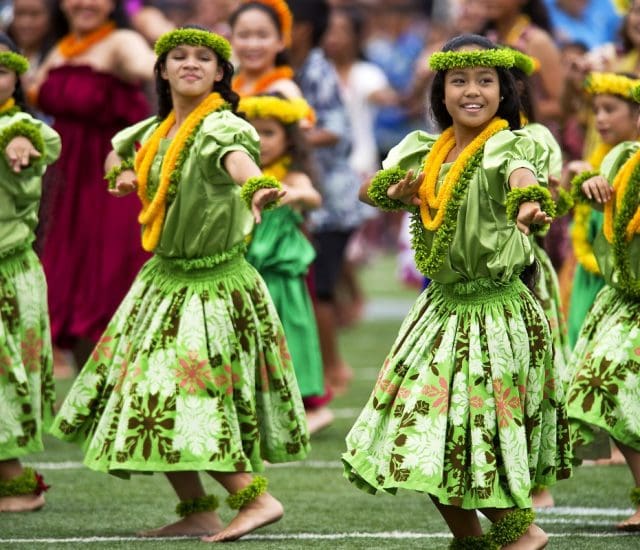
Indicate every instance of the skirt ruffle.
{"type": "Point", "coordinates": [605, 391]}
{"type": "Point", "coordinates": [192, 373]}
{"type": "Point", "coordinates": [468, 406]}
{"type": "Point", "coordinates": [27, 392]}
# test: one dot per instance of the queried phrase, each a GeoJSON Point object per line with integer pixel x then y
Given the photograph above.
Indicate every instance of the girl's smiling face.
{"type": "Point", "coordinates": [615, 119]}
{"type": "Point", "coordinates": [273, 139]}
{"type": "Point", "coordinates": [86, 16]}
{"type": "Point", "coordinates": [472, 95]}
{"type": "Point", "coordinates": [192, 70]}
{"type": "Point", "coordinates": [256, 40]}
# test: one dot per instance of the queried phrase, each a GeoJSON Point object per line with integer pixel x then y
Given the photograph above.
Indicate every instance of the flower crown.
{"type": "Point", "coordinates": [287, 111]}
{"type": "Point", "coordinates": [494, 57]}
{"type": "Point", "coordinates": [622, 6]}
{"type": "Point", "coordinates": [14, 61]}
{"type": "Point", "coordinates": [527, 64]}
{"type": "Point", "coordinates": [193, 37]}
{"type": "Point", "coordinates": [612, 83]}
{"type": "Point", "coordinates": [283, 13]}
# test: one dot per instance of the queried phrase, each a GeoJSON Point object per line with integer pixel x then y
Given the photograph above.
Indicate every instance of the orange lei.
{"type": "Point", "coordinates": [262, 84]}
{"type": "Point", "coordinates": [71, 46]}
{"type": "Point", "coordinates": [620, 183]}
{"type": "Point", "coordinates": [430, 198]}
{"type": "Point", "coordinates": [153, 212]}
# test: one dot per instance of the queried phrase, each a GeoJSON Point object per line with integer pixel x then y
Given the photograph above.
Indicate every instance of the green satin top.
{"type": "Point", "coordinates": [486, 245]}
{"type": "Point", "coordinates": [207, 216]}
{"type": "Point", "coordinates": [603, 250]}
{"type": "Point", "coordinates": [20, 193]}
{"type": "Point", "coordinates": [548, 155]}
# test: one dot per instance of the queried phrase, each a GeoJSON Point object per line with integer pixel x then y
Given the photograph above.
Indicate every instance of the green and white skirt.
{"type": "Point", "coordinates": [467, 407]}
{"type": "Point", "coordinates": [547, 291]}
{"type": "Point", "coordinates": [192, 373]}
{"type": "Point", "coordinates": [27, 392]}
{"type": "Point", "coordinates": [604, 395]}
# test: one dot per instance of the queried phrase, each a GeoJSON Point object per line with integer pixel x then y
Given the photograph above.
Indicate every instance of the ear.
{"type": "Point", "coordinates": [219, 74]}
{"type": "Point", "coordinates": [163, 72]}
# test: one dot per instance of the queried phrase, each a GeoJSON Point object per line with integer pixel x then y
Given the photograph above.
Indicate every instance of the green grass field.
{"type": "Point", "coordinates": [322, 509]}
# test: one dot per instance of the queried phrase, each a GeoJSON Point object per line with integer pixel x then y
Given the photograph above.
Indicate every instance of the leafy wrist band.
{"type": "Point", "coordinates": [255, 184]}
{"type": "Point", "coordinates": [379, 185]}
{"type": "Point", "coordinates": [532, 193]}
{"type": "Point", "coordinates": [112, 175]}
{"type": "Point", "coordinates": [24, 129]}
{"type": "Point", "coordinates": [564, 202]}
{"type": "Point", "coordinates": [511, 527]}
{"type": "Point", "coordinates": [576, 186]}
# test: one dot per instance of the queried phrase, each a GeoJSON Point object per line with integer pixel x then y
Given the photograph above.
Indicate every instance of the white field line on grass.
{"type": "Point", "coordinates": [398, 535]}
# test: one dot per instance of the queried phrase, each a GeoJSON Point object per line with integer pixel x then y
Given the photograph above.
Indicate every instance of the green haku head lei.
{"type": "Point", "coordinates": [14, 61]}
{"type": "Point", "coordinates": [635, 94]}
{"type": "Point", "coordinates": [494, 57]}
{"type": "Point", "coordinates": [193, 37]}
{"type": "Point", "coordinates": [523, 62]}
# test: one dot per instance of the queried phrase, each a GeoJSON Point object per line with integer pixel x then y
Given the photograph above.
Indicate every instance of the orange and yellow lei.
{"type": "Point", "coordinates": [153, 211]}
{"type": "Point", "coordinates": [583, 249]}
{"type": "Point", "coordinates": [278, 169]}
{"type": "Point", "coordinates": [620, 184]}
{"type": "Point", "coordinates": [261, 85]}
{"type": "Point", "coordinates": [437, 200]}
{"type": "Point", "coordinates": [72, 46]}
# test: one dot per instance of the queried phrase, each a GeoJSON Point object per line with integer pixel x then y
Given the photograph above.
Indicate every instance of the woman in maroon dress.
{"type": "Point", "coordinates": [90, 84]}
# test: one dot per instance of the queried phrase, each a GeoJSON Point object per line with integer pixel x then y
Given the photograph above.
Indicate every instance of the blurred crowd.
{"type": "Point", "coordinates": [379, 50]}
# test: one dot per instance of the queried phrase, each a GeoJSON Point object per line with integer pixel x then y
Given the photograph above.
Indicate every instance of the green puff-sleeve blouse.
{"type": "Point", "coordinates": [548, 155]}
{"type": "Point", "coordinates": [602, 249]}
{"type": "Point", "coordinates": [206, 217]}
{"type": "Point", "coordinates": [486, 245]}
{"type": "Point", "coordinates": [20, 193]}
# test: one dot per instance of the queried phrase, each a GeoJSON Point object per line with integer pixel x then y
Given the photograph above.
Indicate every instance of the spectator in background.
{"type": "Point", "coordinates": [214, 15]}
{"type": "Point", "coordinates": [334, 222]}
{"type": "Point", "coordinates": [90, 84]}
{"type": "Point", "coordinates": [591, 22]}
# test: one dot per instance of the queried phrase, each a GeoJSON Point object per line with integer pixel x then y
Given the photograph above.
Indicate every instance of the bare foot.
{"type": "Point", "coordinates": [318, 419]}
{"type": "Point", "coordinates": [616, 458]}
{"type": "Point", "coordinates": [534, 539]}
{"type": "Point", "coordinates": [194, 525]}
{"type": "Point", "coordinates": [260, 512]}
{"type": "Point", "coordinates": [543, 499]}
{"type": "Point", "coordinates": [630, 524]}
{"type": "Point", "coordinates": [21, 503]}
{"type": "Point", "coordinates": [339, 378]}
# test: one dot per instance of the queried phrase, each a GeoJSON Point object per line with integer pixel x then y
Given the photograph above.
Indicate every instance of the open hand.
{"type": "Point", "coordinates": [529, 214]}
{"type": "Point", "coordinates": [406, 190]}
{"type": "Point", "coordinates": [126, 183]}
{"type": "Point", "coordinates": [597, 189]}
{"type": "Point", "coordinates": [261, 198]}
{"type": "Point", "coordinates": [19, 153]}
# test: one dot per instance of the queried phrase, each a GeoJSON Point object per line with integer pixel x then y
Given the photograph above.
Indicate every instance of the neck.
{"type": "Point", "coordinates": [465, 135]}
{"type": "Point", "coordinates": [84, 33]}
{"type": "Point", "coordinates": [184, 106]}
{"type": "Point", "coordinates": [299, 55]}
{"type": "Point", "coordinates": [252, 76]}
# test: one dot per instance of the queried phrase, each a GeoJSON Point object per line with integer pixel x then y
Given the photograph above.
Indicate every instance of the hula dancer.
{"type": "Point", "coordinates": [604, 396]}
{"type": "Point", "coordinates": [193, 372]}
{"type": "Point", "coordinates": [467, 407]}
{"type": "Point", "coordinates": [27, 393]}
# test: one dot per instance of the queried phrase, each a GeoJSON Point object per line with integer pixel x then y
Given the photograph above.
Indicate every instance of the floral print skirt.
{"type": "Point", "coordinates": [547, 291]}
{"type": "Point", "coordinates": [604, 396]}
{"type": "Point", "coordinates": [467, 406]}
{"type": "Point", "coordinates": [27, 392]}
{"type": "Point", "coordinates": [192, 373]}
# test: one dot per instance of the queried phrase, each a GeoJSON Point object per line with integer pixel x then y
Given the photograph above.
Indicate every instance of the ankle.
{"type": "Point", "coordinates": [29, 482]}
{"type": "Point", "coordinates": [511, 527]}
{"type": "Point", "coordinates": [206, 503]}
{"type": "Point", "coordinates": [249, 494]}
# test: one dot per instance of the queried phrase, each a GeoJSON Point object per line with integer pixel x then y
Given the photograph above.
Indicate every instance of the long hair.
{"type": "Point", "coordinates": [18, 92]}
{"type": "Point", "coordinates": [525, 92]}
{"type": "Point", "coordinates": [282, 57]}
{"type": "Point", "coordinates": [537, 11]}
{"type": "Point", "coordinates": [508, 108]}
{"type": "Point", "coordinates": [223, 86]}
{"type": "Point", "coordinates": [357, 22]}
{"type": "Point", "coordinates": [60, 25]}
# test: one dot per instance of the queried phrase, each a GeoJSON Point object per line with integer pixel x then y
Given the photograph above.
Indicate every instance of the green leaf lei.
{"type": "Point", "coordinates": [511, 527]}
{"type": "Point", "coordinates": [576, 186]}
{"type": "Point", "coordinates": [630, 203]}
{"type": "Point", "coordinates": [24, 484]}
{"type": "Point", "coordinates": [379, 185]}
{"type": "Point", "coordinates": [256, 183]}
{"type": "Point", "coordinates": [496, 57]}
{"type": "Point", "coordinates": [564, 202]}
{"type": "Point", "coordinates": [25, 129]}
{"type": "Point", "coordinates": [193, 37]}
{"type": "Point", "coordinates": [14, 61]}
{"type": "Point", "coordinates": [251, 492]}
{"type": "Point", "coordinates": [207, 503]}
{"type": "Point", "coordinates": [634, 496]}
{"type": "Point", "coordinates": [112, 175]}
{"type": "Point", "coordinates": [472, 543]}
{"type": "Point", "coordinates": [429, 262]}
{"type": "Point", "coordinates": [532, 193]}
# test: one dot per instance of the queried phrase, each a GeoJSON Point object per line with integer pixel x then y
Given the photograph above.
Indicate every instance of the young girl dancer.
{"type": "Point", "coordinates": [615, 118]}
{"type": "Point", "coordinates": [279, 250]}
{"type": "Point", "coordinates": [604, 395]}
{"type": "Point", "coordinates": [192, 373]}
{"type": "Point", "coordinates": [26, 379]}
{"type": "Point", "coordinates": [467, 407]}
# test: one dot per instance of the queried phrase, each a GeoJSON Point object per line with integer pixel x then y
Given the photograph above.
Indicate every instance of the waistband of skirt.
{"type": "Point", "coordinates": [16, 251]}
{"type": "Point", "coordinates": [205, 265]}
{"type": "Point", "coordinates": [479, 291]}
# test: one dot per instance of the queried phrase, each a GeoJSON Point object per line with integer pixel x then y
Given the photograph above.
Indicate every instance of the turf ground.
{"type": "Point", "coordinates": [322, 510]}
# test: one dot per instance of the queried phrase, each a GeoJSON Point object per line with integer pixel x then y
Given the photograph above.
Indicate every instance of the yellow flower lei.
{"type": "Point", "coordinates": [620, 184]}
{"type": "Point", "coordinates": [287, 111]}
{"type": "Point", "coordinates": [611, 84]}
{"type": "Point", "coordinates": [582, 248]}
{"type": "Point", "coordinates": [278, 169]}
{"type": "Point", "coordinates": [7, 105]}
{"type": "Point", "coordinates": [153, 212]}
{"type": "Point", "coordinates": [432, 200]}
